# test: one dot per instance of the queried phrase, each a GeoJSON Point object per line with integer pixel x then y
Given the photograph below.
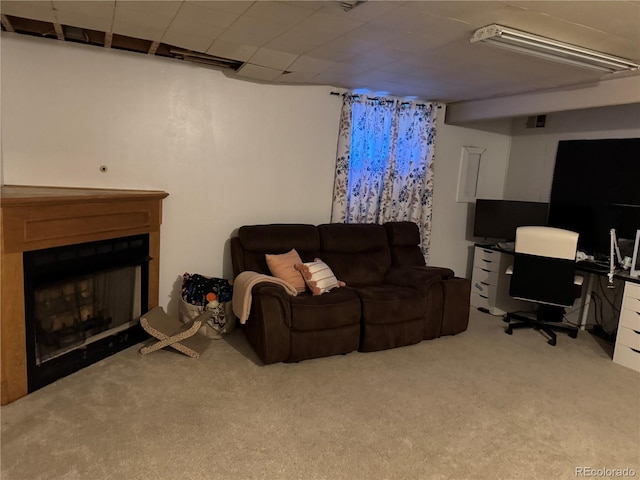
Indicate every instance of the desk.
{"type": "Point", "coordinates": [490, 283]}
{"type": "Point", "coordinates": [490, 286]}
{"type": "Point", "coordinates": [591, 274]}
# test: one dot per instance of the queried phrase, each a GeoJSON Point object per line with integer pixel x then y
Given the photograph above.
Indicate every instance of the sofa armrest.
{"type": "Point", "coordinates": [420, 278]}
{"type": "Point", "coordinates": [276, 295]}
{"type": "Point", "coordinates": [268, 328]}
{"type": "Point", "coordinates": [444, 272]}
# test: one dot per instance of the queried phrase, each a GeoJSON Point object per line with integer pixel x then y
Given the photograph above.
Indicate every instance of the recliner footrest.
{"type": "Point", "coordinates": [457, 294]}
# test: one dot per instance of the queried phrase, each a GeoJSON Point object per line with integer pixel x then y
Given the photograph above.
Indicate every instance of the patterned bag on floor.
{"type": "Point", "coordinates": [200, 293]}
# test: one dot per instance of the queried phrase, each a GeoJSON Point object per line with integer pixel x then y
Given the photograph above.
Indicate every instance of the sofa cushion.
{"type": "Point", "coordinates": [259, 240]}
{"type": "Point", "coordinates": [390, 304]}
{"type": "Point", "coordinates": [283, 267]}
{"type": "Point", "coordinates": [338, 308]}
{"type": "Point", "coordinates": [358, 254]}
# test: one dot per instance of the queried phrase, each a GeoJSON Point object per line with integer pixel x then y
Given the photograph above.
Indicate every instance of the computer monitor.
{"type": "Point", "coordinates": [498, 219]}
{"type": "Point", "coordinates": [596, 187]}
{"type": "Point", "coordinates": [594, 223]}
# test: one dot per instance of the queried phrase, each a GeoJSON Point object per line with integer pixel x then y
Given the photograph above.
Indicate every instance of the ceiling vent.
{"type": "Point", "coordinates": [536, 121]}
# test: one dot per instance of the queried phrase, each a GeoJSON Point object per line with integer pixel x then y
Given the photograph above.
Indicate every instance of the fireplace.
{"type": "Point", "coordinates": [68, 255]}
{"type": "Point", "coordinates": [82, 303]}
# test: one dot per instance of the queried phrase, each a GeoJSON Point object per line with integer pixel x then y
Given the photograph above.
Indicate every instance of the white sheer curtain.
{"type": "Point", "coordinates": [384, 165]}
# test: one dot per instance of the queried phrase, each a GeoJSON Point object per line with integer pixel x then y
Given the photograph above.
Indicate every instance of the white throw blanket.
{"type": "Point", "coordinates": [242, 285]}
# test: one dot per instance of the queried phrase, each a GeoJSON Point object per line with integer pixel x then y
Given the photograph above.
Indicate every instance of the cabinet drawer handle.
{"type": "Point", "coordinates": [484, 283]}
{"type": "Point", "coordinates": [489, 271]}
{"type": "Point", "coordinates": [487, 298]}
{"type": "Point", "coordinates": [488, 261]}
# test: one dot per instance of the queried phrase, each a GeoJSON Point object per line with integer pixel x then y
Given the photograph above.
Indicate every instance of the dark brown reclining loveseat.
{"type": "Point", "coordinates": [391, 299]}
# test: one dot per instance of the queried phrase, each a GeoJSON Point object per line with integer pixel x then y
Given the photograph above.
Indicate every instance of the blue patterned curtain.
{"type": "Point", "coordinates": [384, 166]}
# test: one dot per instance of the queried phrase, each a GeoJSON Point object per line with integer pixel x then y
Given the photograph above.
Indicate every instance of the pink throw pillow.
{"type": "Point", "coordinates": [283, 267]}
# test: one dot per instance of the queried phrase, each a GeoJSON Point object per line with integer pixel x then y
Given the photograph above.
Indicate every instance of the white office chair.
{"type": "Point", "coordinates": [543, 272]}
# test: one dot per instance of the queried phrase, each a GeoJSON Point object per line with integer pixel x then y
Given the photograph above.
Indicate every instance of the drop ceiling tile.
{"type": "Point", "coordinates": [404, 68]}
{"type": "Point", "coordinates": [614, 17]}
{"type": "Point", "coordinates": [309, 4]}
{"type": "Point", "coordinates": [295, 77]}
{"type": "Point", "coordinates": [235, 7]}
{"type": "Point", "coordinates": [286, 14]}
{"type": "Point", "coordinates": [257, 72]}
{"type": "Point", "coordinates": [386, 76]}
{"type": "Point", "coordinates": [476, 14]}
{"type": "Point", "coordinates": [201, 17]}
{"type": "Point", "coordinates": [232, 50]}
{"type": "Point", "coordinates": [406, 17]}
{"type": "Point", "coordinates": [266, 57]}
{"type": "Point", "coordinates": [419, 43]}
{"type": "Point", "coordinates": [342, 70]}
{"type": "Point", "coordinates": [373, 34]}
{"type": "Point", "coordinates": [339, 50]}
{"type": "Point", "coordinates": [621, 47]}
{"type": "Point", "coordinates": [96, 15]}
{"type": "Point", "coordinates": [414, 19]}
{"type": "Point", "coordinates": [365, 11]}
{"type": "Point", "coordinates": [296, 40]}
{"type": "Point", "coordinates": [378, 57]}
{"type": "Point", "coordinates": [308, 64]}
{"type": "Point", "coordinates": [323, 25]}
{"type": "Point", "coordinates": [147, 20]}
{"type": "Point", "coordinates": [196, 28]}
{"type": "Point", "coordinates": [157, 8]}
{"type": "Point", "coordinates": [196, 40]}
{"type": "Point", "coordinates": [42, 11]}
{"type": "Point", "coordinates": [258, 36]}
{"type": "Point", "coordinates": [312, 32]}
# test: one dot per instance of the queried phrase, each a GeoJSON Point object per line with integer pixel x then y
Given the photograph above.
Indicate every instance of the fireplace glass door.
{"type": "Point", "coordinates": [83, 303]}
{"type": "Point", "coordinates": [71, 313]}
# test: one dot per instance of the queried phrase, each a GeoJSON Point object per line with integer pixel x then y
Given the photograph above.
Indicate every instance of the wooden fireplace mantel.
{"type": "Point", "coordinates": [34, 218]}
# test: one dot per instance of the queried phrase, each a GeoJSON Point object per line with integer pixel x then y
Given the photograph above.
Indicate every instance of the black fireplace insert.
{"type": "Point", "coordinates": [82, 304]}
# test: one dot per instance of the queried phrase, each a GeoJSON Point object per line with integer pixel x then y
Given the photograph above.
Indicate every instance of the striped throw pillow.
{"type": "Point", "coordinates": [319, 276]}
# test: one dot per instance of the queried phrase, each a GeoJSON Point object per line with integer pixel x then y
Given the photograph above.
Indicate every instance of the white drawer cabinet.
{"type": "Point", "coordinates": [627, 350]}
{"type": "Point", "coordinates": [490, 283]}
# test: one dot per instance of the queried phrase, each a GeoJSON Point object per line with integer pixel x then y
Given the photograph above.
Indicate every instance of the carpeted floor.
{"type": "Point", "coordinates": [480, 405]}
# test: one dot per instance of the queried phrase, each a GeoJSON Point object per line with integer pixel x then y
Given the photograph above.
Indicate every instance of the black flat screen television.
{"type": "Point", "coordinates": [498, 219]}
{"type": "Point", "coordinates": [596, 187]}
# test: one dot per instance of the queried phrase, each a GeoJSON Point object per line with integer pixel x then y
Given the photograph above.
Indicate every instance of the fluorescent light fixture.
{"type": "Point", "coordinates": [530, 44]}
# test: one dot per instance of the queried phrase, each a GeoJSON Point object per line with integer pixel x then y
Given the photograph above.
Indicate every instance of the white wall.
{"type": "Point", "coordinates": [533, 151]}
{"type": "Point", "coordinates": [228, 152]}
{"type": "Point", "coordinates": [452, 222]}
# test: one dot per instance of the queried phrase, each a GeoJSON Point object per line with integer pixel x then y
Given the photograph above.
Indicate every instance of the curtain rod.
{"type": "Point", "coordinates": [376, 98]}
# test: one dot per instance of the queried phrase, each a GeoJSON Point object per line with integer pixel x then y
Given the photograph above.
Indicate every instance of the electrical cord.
{"type": "Point", "coordinates": [616, 295]}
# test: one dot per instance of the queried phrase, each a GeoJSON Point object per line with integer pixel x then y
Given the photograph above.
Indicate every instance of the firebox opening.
{"type": "Point", "coordinates": [82, 304]}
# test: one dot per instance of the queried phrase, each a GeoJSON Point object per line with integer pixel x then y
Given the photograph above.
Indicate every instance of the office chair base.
{"type": "Point", "coordinates": [538, 323]}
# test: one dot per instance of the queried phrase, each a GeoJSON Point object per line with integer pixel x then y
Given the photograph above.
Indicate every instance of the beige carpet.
{"type": "Point", "coordinates": [480, 405]}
